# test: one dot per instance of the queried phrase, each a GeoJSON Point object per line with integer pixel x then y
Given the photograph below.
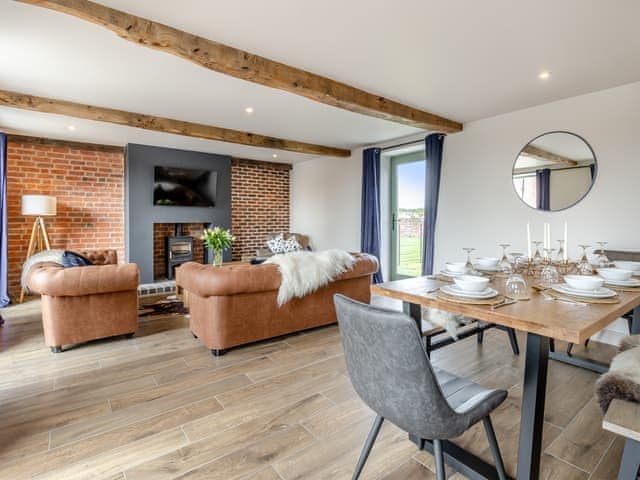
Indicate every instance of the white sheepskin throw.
{"type": "Point", "coordinates": [54, 256]}
{"type": "Point", "coordinates": [305, 272]}
{"type": "Point", "coordinates": [449, 321]}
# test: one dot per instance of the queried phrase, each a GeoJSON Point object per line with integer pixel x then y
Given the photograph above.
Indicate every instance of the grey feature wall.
{"type": "Point", "coordinates": [141, 213]}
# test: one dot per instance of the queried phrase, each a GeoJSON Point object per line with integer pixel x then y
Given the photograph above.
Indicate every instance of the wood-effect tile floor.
{"type": "Point", "coordinates": [159, 406]}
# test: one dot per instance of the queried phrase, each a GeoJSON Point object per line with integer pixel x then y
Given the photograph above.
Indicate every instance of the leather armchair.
{"type": "Point", "coordinates": [80, 304]}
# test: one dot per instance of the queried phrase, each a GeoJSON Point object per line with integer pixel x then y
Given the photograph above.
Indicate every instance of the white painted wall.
{"type": "Point", "coordinates": [478, 206]}
{"type": "Point", "coordinates": [325, 201]}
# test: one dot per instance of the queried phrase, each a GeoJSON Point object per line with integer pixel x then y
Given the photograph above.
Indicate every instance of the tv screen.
{"type": "Point", "coordinates": [184, 187]}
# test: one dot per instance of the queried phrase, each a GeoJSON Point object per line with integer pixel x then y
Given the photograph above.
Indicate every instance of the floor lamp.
{"type": "Point", "coordinates": [38, 206]}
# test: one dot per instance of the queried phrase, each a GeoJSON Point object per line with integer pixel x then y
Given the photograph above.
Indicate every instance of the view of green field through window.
{"type": "Point", "coordinates": [409, 217]}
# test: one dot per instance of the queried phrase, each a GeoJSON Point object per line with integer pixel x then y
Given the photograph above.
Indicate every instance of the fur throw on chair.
{"type": "Point", "coordinates": [304, 272]}
{"type": "Point", "coordinates": [623, 379]}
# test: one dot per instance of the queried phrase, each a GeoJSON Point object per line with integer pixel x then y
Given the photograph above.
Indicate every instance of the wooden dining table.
{"type": "Point", "coordinates": [543, 320]}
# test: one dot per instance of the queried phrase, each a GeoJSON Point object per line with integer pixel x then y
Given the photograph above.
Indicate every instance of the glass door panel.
{"type": "Point", "coordinates": [407, 214]}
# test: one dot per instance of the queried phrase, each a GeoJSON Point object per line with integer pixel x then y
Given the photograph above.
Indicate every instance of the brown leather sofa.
{"type": "Point", "coordinates": [236, 304]}
{"type": "Point", "coordinates": [86, 303]}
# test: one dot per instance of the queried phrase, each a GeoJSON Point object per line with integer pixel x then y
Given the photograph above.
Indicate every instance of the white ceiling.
{"type": "Point", "coordinates": [465, 60]}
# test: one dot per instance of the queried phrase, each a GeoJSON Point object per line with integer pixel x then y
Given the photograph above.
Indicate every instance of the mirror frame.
{"type": "Point", "coordinates": [593, 182]}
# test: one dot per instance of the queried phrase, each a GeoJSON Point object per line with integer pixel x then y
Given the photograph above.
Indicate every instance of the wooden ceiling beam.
{"type": "Point", "coordinates": [547, 156]}
{"type": "Point", "coordinates": [247, 66]}
{"type": "Point", "coordinates": [161, 124]}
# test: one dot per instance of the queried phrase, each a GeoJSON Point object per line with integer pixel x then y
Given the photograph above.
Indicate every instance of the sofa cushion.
{"type": "Point", "coordinates": [276, 244]}
{"type": "Point", "coordinates": [73, 259]}
{"type": "Point", "coordinates": [291, 244]}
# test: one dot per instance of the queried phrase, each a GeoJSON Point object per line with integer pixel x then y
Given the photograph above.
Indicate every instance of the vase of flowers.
{"type": "Point", "coordinates": [217, 239]}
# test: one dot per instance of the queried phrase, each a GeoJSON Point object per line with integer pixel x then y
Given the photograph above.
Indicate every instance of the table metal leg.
{"type": "Point", "coordinates": [630, 463]}
{"type": "Point", "coordinates": [415, 312]}
{"type": "Point", "coordinates": [635, 322]}
{"type": "Point", "coordinates": [532, 415]}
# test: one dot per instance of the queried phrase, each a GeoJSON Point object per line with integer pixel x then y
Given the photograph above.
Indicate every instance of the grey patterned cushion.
{"type": "Point", "coordinates": [291, 244]}
{"type": "Point", "coordinates": [276, 244]}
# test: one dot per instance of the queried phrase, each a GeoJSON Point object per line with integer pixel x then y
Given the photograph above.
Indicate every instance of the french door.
{"type": "Point", "coordinates": [407, 214]}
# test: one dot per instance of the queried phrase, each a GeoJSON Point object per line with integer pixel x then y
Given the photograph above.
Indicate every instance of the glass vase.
{"type": "Point", "coordinates": [216, 258]}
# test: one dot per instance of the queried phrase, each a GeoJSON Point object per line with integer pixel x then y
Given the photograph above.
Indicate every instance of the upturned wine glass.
{"type": "Point", "coordinates": [584, 267]}
{"type": "Point", "coordinates": [516, 287]}
{"type": "Point", "coordinates": [537, 257]}
{"type": "Point", "coordinates": [469, 265]}
{"type": "Point", "coordinates": [504, 265]}
{"type": "Point", "coordinates": [560, 255]}
{"type": "Point", "coordinates": [603, 260]}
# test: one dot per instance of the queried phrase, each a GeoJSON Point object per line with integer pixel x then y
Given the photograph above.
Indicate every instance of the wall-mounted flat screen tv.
{"type": "Point", "coordinates": [184, 187]}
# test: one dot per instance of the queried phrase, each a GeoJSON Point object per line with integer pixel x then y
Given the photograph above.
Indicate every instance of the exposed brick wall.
{"type": "Point", "coordinates": [162, 230]}
{"type": "Point", "coordinates": [259, 204]}
{"type": "Point", "coordinates": [88, 182]}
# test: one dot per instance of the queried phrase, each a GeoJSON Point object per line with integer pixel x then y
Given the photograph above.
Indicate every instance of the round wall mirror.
{"type": "Point", "coordinates": [554, 171]}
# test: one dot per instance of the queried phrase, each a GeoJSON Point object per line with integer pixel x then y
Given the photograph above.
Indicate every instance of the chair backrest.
{"type": "Point", "coordinates": [390, 370]}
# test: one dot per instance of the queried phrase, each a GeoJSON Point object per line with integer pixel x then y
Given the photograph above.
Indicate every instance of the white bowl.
{"type": "Point", "coordinates": [615, 273]}
{"type": "Point", "coordinates": [456, 267]}
{"type": "Point", "coordinates": [626, 265]}
{"type": "Point", "coordinates": [487, 262]}
{"type": "Point", "coordinates": [584, 282]}
{"type": "Point", "coordinates": [471, 283]}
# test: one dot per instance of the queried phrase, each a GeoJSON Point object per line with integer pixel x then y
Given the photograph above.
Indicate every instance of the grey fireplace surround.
{"type": "Point", "coordinates": [141, 214]}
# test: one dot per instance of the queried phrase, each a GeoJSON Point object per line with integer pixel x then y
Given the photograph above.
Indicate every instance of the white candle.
{"type": "Point", "coordinates": [529, 240]}
{"type": "Point", "coordinates": [566, 245]}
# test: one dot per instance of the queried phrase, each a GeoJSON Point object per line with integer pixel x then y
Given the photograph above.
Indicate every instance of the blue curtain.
{"type": "Point", "coordinates": [543, 189]}
{"type": "Point", "coordinates": [4, 293]}
{"type": "Point", "coordinates": [370, 215]}
{"type": "Point", "coordinates": [433, 165]}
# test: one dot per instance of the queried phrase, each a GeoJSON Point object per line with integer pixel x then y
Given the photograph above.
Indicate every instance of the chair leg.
{"type": "Point", "coordinates": [368, 445]}
{"type": "Point", "coordinates": [570, 348]}
{"type": "Point", "coordinates": [427, 345]}
{"type": "Point", "coordinates": [480, 337]}
{"type": "Point", "coordinates": [586, 342]}
{"type": "Point", "coordinates": [513, 339]}
{"type": "Point", "coordinates": [552, 345]}
{"type": "Point", "coordinates": [495, 449]}
{"type": "Point", "coordinates": [439, 458]}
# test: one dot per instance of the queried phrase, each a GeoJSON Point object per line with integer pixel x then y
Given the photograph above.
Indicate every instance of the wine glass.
{"type": "Point", "coordinates": [516, 287]}
{"type": "Point", "coordinates": [521, 263]}
{"type": "Point", "coordinates": [537, 258]}
{"type": "Point", "coordinates": [469, 265]}
{"type": "Point", "coordinates": [603, 260]}
{"type": "Point", "coordinates": [560, 255]}
{"type": "Point", "coordinates": [584, 267]}
{"type": "Point", "coordinates": [504, 265]}
{"type": "Point", "coordinates": [549, 275]}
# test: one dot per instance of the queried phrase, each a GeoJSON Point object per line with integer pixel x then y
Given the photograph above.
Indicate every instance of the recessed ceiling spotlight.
{"type": "Point", "coordinates": [544, 75]}
{"type": "Point", "coordinates": [249, 110]}
{"type": "Point", "coordinates": [71, 127]}
{"type": "Point", "coordinates": [275, 155]}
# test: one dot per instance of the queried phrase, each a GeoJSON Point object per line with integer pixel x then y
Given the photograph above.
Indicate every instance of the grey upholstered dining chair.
{"type": "Point", "coordinates": [392, 374]}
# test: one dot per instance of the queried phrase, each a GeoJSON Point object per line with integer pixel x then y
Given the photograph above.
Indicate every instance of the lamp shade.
{"type": "Point", "coordinates": [39, 205]}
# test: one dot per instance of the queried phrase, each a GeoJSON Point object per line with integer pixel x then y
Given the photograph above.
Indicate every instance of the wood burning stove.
{"type": "Point", "coordinates": [178, 250]}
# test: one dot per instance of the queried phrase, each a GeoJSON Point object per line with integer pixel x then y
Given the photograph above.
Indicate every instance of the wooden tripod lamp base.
{"type": "Point", "coordinates": [38, 206]}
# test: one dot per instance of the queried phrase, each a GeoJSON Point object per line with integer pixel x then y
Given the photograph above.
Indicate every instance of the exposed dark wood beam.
{"type": "Point", "coordinates": [247, 66]}
{"type": "Point", "coordinates": [541, 154]}
{"type": "Point", "coordinates": [161, 124]}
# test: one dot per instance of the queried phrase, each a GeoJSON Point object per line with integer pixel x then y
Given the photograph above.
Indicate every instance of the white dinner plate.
{"type": "Point", "coordinates": [601, 292]}
{"type": "Point", "coordinates": [632, 282]}
{"type": "Point", "coordinates": [447, 273]}
{"type": "Point", "coordinates": [486, 269]}
{"type": "Point", "coordinates": [458, 292]}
